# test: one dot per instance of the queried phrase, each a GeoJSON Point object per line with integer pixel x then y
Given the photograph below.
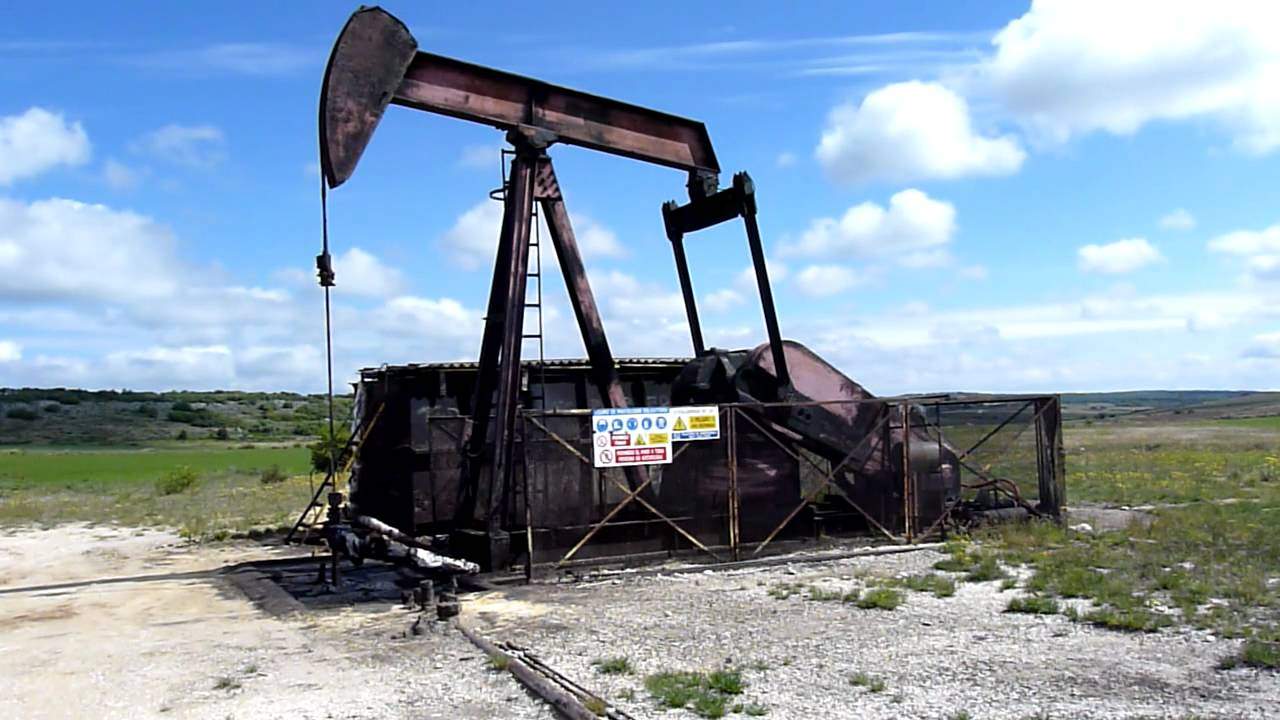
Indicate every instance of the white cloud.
{"type": "Point", "coordinates": [38, 140]}
{"type": "Point", "coordinates": [472, 241]}
{"type": "Point", "coordinates": [825, 280]}
{"type": "Point", "coordinates": [1260, 250]}
{"type": "Point", "coordinates": [1069, 67]}
{"type": "Point", "coordinates": [198, 146]}
{"type": "Point", "coordinates": [10, 351]}
{"type": "Point", "coordinates": [119, 176]}
{"type": "Point", "coordinates": [172, 367]}
{"type": "Point", "coordinates": [64, 249]}
{"type": "Point", "coordinates": [360, 273]}
{"type": "Point", "coordinates": [911, 131]}
{"type": "Point", "coordinates": [1121, 256]}
{"type": "Point", "coordinates": [974, 272]}
{"type": "Point", "coordinates": [1179, 219]}
{"type": "Point", "coordinates": [723, 300]}
{"type": "Point", "coordinates": [785, 159]}
{"type": "Point", "coordinates": [481, 157]}
{"type": "Point", "coordinates": [1265, 346]}
{"type": "Point", "coordinates": [914, 230]}
{"type": "Point", "coordinates": [1248, 242]}
{"type": "Point", "coordinates": [746, 279]}
{"type": "Point", "coordinates": [255, 59]}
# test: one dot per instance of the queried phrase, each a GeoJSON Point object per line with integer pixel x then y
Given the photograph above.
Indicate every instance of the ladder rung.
{"type": "Point", "coordinates": [530, 337]}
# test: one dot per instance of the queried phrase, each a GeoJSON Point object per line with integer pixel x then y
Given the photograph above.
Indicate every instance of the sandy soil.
{"type": "Point", "coordinates": [74, 644]}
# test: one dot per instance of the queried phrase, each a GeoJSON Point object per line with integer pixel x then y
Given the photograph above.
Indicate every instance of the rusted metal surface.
{"type": "Point", "coordinates": [375, 62]}
{"type": "Point", "coordinates": [365, 68]}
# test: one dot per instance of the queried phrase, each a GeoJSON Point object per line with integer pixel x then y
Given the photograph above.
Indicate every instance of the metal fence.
{"type": "Point", "coordinates": [917, 467]}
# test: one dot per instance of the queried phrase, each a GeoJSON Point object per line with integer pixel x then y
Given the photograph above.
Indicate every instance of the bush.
{"type": "Point", "coordinates": [222, 434]}
{"type": "Point", "coordinates": [53, 408]}
{"type": "Point", "coordinates": [22, 413]}
{"type": "Point", "coordinates": [182, 406]}
{"type": "Point", "coordinates": [320, 449]}
{"type": "Point", "coordinates": [880, 598]}
{"type": "Point", "coordinates": [182, 435]}
{"type": "Point", "coordinates": [613, 666]}
{"type": "Point", "coordinates": [177, 480]}
{"type": "Point", "coordinates": [272, 476]}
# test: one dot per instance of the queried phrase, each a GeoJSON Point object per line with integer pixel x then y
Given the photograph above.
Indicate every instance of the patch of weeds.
{"type": "Point", "coordinates": [613, 666]}
{"type": "Point", "coordinates": [758, 665]}
{"type": "Point", "coordinates": [1127, 619]}
{"type": "Point", "coordinates": [750, 709]}
{"type": "Point", "coordinates": [1008, 584]}
{"type": "Point", "coordinates": [499, 662]}
{"type": "Point", "coordinates": [818, 594]}
{"type": "Point", "coordinates": [870, 682]}
{"type": "Point", "coordinates": [707, 694]}
{"type": "Point", "coordinates": [595, 706]}
{"type": "Point", "coordinates": [960, 715]}
{"type": "Point", "coordinates": [1034, 605]}
{"type": "Point", "coordinates": [177, 480]}
{"type": "Point", "coordinates": [782, 591]}
{"type": "Point", "coordinates": [226, 682]}
{"type": "Point", "coordinates": [878, 598]}
{"type": "Point", "coordinates": [940, 585]}
{"type": "Point", "coordinates": [1257, 652]}
{"type": "Point", "coordinates": [272, 475]}
{"type": "Point", "coordinates": [250, 669]}
{"type": "Point", "coordinates": [985, 569]}
{"type": "Point", "coordinates": [627, 694]}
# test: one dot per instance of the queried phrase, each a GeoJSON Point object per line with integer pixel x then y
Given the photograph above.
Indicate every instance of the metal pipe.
{"type": "Point", "coordinates": [742, 183]}
{"type": "Point", "coordinates": [686, 289]}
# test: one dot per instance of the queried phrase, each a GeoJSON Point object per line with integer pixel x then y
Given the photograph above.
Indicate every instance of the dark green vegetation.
{"type": "Point", "coordinates": [121, 418]}
{"type": "Point", "coordinates": [1034, 605]}
{"type": "Point", "coordinates": [707, 694]}
{"type": "Point", "coordinates": [877, 598]}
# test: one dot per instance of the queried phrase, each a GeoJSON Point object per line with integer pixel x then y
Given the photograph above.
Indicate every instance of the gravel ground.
{"type": "Point", "coordinates": [938, 657]}
{"type": "Point", "coordinates": [73, 646]}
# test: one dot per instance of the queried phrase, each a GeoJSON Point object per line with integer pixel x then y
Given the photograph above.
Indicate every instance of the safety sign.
{"type": "Point", "coordinates": [630, 436]}
{"type": "Point", "coordinates": [643, 436]}
{"type": "Point", "coordinates": [695, 423]}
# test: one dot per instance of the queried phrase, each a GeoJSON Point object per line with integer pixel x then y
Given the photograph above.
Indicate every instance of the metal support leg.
{"type": "Point", "coordinates": [742, 183]}
{"type": "Point", "coordinates": [604, 372]}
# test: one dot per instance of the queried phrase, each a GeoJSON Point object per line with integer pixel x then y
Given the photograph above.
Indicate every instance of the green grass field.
{"type": "Point", "coordinates": [70, 468]}
{"type": "Point", "coordinates": [230, 490]}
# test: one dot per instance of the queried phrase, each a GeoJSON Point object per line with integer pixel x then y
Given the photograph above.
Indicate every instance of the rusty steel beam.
{"type": "Point", "coordinates": [376, 62]}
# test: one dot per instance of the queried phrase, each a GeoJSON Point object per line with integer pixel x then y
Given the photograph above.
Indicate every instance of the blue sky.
{"type": "Point", "coordinates": [1009, 197]}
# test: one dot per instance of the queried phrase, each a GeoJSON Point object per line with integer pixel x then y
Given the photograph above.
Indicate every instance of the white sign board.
{"type": "Point", "coordinates": [643, 436]}
{"type": "Point", "coordinates": [695, 423]}
{"type": "Point", "coordinates": [630, 436]}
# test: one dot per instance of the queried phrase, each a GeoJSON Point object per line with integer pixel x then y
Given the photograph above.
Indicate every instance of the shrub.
{"type": "Point", "coordinates": [1033, 604]}
{"type": "Point", "coordinates": [181, 406]}
{"type": "Point", "coordinates": [21, 413]}
{"type": "Point", "coordinates": [320, 449]}
{"type": "Point", "coordinates": [53, 408]}
{"type": "Point", "coordinates": [613, 666]}
{"type": "Point", "coordinates": [272, 476]}
{"type": "Point", "coordinates": [880, 598]}
{"type": "Point", "coordinates": [182, 435]}
{"type": "Point", "coordinates": [177, 480]}
{"type": "Point", "coordinates": [871, 683]}
{"type": "Point", "coordinates": [222, 434]}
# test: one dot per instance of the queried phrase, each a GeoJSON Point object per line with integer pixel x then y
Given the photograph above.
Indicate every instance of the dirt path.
{"type": "Point", "coordinates": [193, 647]}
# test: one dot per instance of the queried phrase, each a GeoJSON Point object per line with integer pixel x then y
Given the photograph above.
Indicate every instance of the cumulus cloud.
{"type": "Point", "coordinates": [825, 280]}
{"type": "Point", "coordinates": [746, 278]}
{"type": "Point", "coordinates": [1265, 346]}
{"type": "Point", "coordinates": [1068, 67]}
{"type": "Point", "coordinates": [197, 146]}
{"type": "Point", "coordinates": [472, 241]}
{"type": "Point", "coordinates": [1179, 219]}
{"type": "Point", "coordinates": [39, 140]}
{"type": "Point", "coordinates": [723, 300]}
{"type": "Point", "coordinates": [974, 272]}
{"type": "Point", "coordinates": [10, 351]}
{"type": "Point", "coordinates": [1259, 249]}
{"type": "Point", "coordinates": [64, 249]}
{"type": "Point", "coordinates": [914, 230]}
{"type": "Point", "coordinates": [911, 131]}
{"type": "Point", "coordinates": [361, 273]}
{"type": "Point", "coordinates": [1121, 256]}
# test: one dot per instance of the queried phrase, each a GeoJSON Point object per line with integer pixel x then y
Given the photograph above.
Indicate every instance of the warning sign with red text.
{"type": "Point", "coordinates": [630, 436]}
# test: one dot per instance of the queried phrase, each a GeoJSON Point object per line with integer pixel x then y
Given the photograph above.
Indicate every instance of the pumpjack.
{"type": "Point", "coordinates": [375, 64]}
